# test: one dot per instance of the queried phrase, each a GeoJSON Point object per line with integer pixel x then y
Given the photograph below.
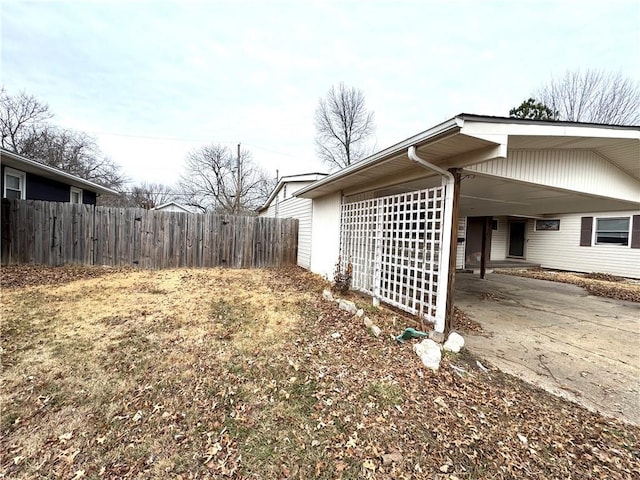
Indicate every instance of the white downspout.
{"type": "Point", "coordinates": [448, 181]}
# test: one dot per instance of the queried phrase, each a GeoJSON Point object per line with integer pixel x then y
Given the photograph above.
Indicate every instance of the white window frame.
{"type": "Point", "coordinates": [594, 239]}
{"type": "Point", "coordinates": [79, 192]}
{"type": "Point", "coordinates": [23, 182]}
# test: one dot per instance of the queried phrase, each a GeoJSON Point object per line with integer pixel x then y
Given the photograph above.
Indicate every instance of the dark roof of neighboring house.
{"type": "Point", "coordinates": [19, 162]}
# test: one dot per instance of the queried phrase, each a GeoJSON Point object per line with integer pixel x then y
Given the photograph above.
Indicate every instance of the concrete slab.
{"type": "Point", "coordinates": [584, 348]}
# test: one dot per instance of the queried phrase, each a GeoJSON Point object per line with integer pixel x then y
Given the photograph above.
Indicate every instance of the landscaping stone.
{"type": "Point", "coordinates": [335, 335]}
{"type": "Point", "coordinates": [367, 322]}
{"type": "Point", "coordinates": [376, 330]}
{"type": "Point", "coordinates": [326, 294]}
{"type": "Point", "coordinates": [348, 306]}
{"type": "Point", "coordinates": [429, 352]}
{"type": "Point", "coordinates": [436, 336]}
{"type": "Point", "coordinates": [360, 313]}
{"type": "Point", "coordinates": [454, 343]}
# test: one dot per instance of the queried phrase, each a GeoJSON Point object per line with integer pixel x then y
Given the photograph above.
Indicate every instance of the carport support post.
{"type": "Point", "coordinates": [453, 250]}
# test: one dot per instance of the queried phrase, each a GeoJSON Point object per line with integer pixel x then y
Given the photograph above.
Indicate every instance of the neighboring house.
{"type": "Point", "coordinates": [283, 204]}
{"type": "Point", "coordinates": [564, 195]}
{"type": "Point", "coordinates": [27, 179]}
{"type": "Point", "coordinates": [172, 207]}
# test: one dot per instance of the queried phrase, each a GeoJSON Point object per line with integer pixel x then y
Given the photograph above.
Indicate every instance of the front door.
{"type": "Point", "coordinates": [516, 238]}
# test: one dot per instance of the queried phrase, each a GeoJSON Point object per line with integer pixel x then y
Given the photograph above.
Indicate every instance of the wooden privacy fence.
{"type": "Point", "coordinates": [59, 233]}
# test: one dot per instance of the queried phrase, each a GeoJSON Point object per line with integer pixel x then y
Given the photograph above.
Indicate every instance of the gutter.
{"type": "Point", "coordinates": [451, 126]}
{"type": "Point", "coordinates": [448, 182]}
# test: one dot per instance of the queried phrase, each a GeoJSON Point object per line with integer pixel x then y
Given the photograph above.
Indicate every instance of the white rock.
{"type": "Point", "coordinates": [335, 335]}
{"type": "Point", "coordinates": [326, 294]}
{"type": "Point", "coordinates": [429, 352]}
{"type": "Point", "coordinates": [360, 313]}
{"type": "Point", "coordinates": [375, 302]}
{"type": "Point", "coordinates": [367, 322]}
{"type": "Point", "coordinates": [348, 306]}
{"type": "Point", "coordinates": [376, 330]}
{"type": "Point", "coordinates": [454, 343]}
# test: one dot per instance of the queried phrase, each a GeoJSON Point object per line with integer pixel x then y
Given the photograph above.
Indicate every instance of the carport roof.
{"type": "Point", "coordinates": [467, 139]}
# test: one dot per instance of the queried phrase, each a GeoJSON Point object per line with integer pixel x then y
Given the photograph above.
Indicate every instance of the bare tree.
{"type": "Point", "coordinates": [21, 117]}
{"type": "Point", "coordinates": [210, 181]}
{"type": "Point", "coordinates": [594, 96]}
{"type": "Point", "coordinates": [343, 127]}
{"type": "Point", "coordinates": [150, 195]}
{"type": "Point", "coordinates": [25, 128]}
{"type": "Point", "coordinates": [73, 152]}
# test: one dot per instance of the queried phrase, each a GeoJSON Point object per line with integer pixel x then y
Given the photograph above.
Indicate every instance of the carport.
{"type": "Point", "coordinates": [388, 215]}
{"type": "Point", "coordinates": [558, 337]}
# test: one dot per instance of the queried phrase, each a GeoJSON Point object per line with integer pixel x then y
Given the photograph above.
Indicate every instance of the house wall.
{"type": "Point", "coordinates": [462, 235]}
{"type": "Point", "coordinates": [300, 208]}
{"type": "Point", "coordinates": [284, 205]}
{"type": "Point", "coordinates": [561, 249]}
{"type": "Point", "coordinates": [325, 232]}
{"type": "Point", "coordinates": [500, 239]}
{"type": "Point", "coordinates": [41, 188]}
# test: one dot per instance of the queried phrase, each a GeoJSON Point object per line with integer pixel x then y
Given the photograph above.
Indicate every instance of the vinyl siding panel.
{"type": "Point", "coordinates": [575, 170]}
{"type": "Point", "coordinates": [561, 249]}
{"type": "Point", "coordinates": [460, 251]}
{"type": "Point", "coordinates": [500, 239]}
{"type": "Point", "coordinates": [300, 208]}
{"type": "Point", "coordinates": [269, 212]}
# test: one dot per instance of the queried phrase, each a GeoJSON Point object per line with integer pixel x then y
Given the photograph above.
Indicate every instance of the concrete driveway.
{"type": "Point", "coordinates": [584, 348]}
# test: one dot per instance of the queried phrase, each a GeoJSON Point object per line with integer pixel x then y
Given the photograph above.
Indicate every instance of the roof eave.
{"type": "Point", "coordinates": [55, 174]}
{"type": "Point", "coordinates": [451, 126]}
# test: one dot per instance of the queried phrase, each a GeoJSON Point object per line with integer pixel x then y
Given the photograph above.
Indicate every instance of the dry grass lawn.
{"type": "Point", "coordinates": [235, 374]}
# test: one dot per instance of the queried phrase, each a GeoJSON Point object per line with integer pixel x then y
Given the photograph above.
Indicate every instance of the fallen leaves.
{"type": "Point", "coordinates": [598, 284]}
{"type": "Point", "coordinates": [159, 396]}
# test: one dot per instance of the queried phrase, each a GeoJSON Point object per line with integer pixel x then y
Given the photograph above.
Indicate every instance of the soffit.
{"type": "Point", "coordinates": [622, 152]}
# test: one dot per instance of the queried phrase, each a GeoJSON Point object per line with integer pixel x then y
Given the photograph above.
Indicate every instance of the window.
{"type": "Point", "coordinates": [284, 191]}
{"type": "Point", "coordinates": [76, 195]}
{"type": "Point", "coordinates": [548, 225]}
{"type": "Point", "coordinates": [14, 184]}
{"type": "Point", "coordinates": [612, 231]}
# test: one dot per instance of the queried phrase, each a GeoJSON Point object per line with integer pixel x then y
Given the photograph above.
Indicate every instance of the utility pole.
{"type": "Point", "coordinates": [239, 187]}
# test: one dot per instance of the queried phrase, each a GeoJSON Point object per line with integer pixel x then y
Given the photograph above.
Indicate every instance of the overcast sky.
{"type": "Point", "coordinates": [153, 80]}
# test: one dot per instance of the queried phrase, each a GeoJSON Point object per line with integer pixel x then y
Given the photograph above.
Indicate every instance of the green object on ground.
{"type": "Point", "coordinates": [410, 333]}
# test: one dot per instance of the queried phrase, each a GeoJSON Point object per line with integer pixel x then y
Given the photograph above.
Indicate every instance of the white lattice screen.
{"type": "Point", "coordinates": [393, 244]}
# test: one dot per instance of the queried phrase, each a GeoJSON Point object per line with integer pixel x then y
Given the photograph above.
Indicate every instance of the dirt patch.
{"type": "Point", "coordinates": [598, 284]}
{"type": "Point", "coordinates": [239, 374]}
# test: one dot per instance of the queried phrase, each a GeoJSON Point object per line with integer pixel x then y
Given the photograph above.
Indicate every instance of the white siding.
{"type": "Point", "coordinates": [269, 212]}
{"type": "Point", "coordinates": [300, 208]}
{"type": "Point", "coordinates": [460, 251]}
{"type": "Point", "coordinates": [499, 239]}
{"type": "Point", "coordinates": [561, 249]}
{"type": "Point", "coordinates": [325, 234]}
{"type": "Point", "coordinates": [576, 170]}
